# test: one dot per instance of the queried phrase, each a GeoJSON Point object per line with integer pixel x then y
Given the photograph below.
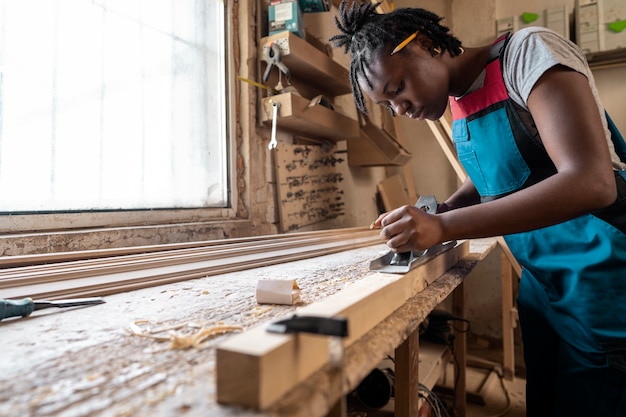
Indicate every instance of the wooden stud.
{"type": "Point", "coordinates": [407, 377]}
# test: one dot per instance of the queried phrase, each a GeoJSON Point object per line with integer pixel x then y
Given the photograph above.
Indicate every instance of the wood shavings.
{"type": "Point", "coordinates": [259, 311]}
{"type": "Point", "coordinates": [197, 337]}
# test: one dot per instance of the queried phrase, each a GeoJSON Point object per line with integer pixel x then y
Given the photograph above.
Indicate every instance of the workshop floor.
{"type": "Point", "coordinates": [496, 397]}
{"type": "Point", "coordinates": [489, 395]}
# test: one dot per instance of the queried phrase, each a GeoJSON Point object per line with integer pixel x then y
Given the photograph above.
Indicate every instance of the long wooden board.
{"type": "Point", "coordinates": [257, 368]}
{"type": "Point", "coordinates": [110, 275]}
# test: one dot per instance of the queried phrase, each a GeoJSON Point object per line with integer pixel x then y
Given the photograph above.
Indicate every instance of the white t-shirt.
{"type": "Point", "coordinates": [534, 50]}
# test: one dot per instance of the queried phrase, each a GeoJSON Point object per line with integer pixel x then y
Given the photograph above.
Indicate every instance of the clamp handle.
{"type": "Point", "coordinates": [330, 326]}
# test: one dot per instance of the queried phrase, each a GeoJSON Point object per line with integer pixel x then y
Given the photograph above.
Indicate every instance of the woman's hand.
{"type": "Point", "coordinates": [409, 228]}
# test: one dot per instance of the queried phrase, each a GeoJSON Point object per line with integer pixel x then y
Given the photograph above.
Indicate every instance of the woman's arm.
{"type": "Point", "coordinates": [465, 195]}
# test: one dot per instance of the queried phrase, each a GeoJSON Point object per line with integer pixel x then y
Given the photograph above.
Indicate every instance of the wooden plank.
{"type": "Point", "coordinates": [296, 114]}
{"type": "Point", "coordinates": [509, 256]}
{"type": "Point", "coordinates": [367, 353]}
{"type": "Point", "coordinates": [460, 348]}
{"type": "Point", "coordinates": [256, 368]}
{"type": "Point", "coordinates": [100, 277]}
{"type": "Point", "coordinates": [407, 398]}
{"type": "Point", "coordinates": [46, 259]}
{"type": "Point", "coordinates": [508, 321]}
{"type": "Point", "coordinates": [444, 143]}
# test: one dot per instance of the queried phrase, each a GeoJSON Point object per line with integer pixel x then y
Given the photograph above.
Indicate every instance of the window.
{"type": "Point", "coordinates": [110, 105]}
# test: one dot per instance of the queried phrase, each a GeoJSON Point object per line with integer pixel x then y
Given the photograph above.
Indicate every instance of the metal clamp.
{"type": "Point", "coordinates": [329, 326]}
{"type": "Point", "coordinates": [272, 54]}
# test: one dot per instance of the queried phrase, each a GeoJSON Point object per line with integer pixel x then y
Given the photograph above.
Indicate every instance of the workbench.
{"type": "Point", "coordinates": [87, 361]}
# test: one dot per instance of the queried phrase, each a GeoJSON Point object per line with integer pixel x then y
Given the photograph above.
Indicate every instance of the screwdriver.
{"type": "Point", "coordinates": [16, 308]}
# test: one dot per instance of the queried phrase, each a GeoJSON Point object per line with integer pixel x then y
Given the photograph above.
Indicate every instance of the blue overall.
{"type": "Point", "coordinates": [572, 296]}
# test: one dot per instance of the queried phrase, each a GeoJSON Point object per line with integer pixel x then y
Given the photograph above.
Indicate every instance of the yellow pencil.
{"type": "Point", "coordinates": [405, 42]}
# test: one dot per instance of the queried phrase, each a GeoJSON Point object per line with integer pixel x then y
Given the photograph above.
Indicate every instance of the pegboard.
{"type": "Point", "coordinates": [309, 185]}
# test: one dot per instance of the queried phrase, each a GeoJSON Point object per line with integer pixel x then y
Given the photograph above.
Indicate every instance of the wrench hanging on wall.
{"type": "Point", "coordinates": [273, 142]}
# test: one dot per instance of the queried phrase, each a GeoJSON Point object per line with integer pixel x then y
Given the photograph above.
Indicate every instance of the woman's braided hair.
{"type": "Point", "coordinates": [366, 33]}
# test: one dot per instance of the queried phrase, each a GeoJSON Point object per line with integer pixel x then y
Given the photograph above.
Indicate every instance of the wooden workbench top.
{"type": "Point", "coordinates": [83, 361]}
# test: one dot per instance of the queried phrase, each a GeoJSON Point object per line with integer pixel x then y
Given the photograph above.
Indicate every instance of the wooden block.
{"type": "Point", "coordinates": [256, 368]}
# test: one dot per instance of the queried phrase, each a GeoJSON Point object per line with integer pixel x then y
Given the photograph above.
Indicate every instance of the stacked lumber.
{"type": "Point", "coordinates": [105, 272]}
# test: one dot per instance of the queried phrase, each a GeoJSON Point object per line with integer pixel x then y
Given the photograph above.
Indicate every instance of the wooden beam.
{"type": "Point", "coordinates": [69, 256]}
{"type": "Point", "coordinates": [257, 368]}
{"type": "Point", "coordinates": [460, 348]}
{"type": "Point", "coordinates": [407, 398]}
{"type": "Point", "coordinates": [105, 276]}
{"type": "Point", "coordinates": [445, 144]}
{"type": "Point", "coordinates": [508, 319]}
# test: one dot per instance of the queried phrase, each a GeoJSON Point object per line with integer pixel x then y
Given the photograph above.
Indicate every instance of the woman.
{"type": "Point", "coordinates": [544, 172]}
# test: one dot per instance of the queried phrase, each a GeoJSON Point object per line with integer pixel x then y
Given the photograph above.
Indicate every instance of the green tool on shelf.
{"type": "Point", "coordinates": [22, 308]}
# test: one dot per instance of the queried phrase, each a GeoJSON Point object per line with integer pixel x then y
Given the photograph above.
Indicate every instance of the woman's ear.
{"type": "Point", "coordinates": [428, 45]}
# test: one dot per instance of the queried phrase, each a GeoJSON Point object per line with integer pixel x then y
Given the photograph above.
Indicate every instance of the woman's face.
{"type": "Point", "coordinates": [413, 82]}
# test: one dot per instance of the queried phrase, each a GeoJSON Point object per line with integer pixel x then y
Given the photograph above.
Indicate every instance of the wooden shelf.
{"type": "Point", "coordinates": [607, 59]}
{"type": "Point", "coordinates": [296, 114]}
{"type": "Point", "coordinates": [375, 147]}
{"type": "Point", "coordinates": [309, 64]}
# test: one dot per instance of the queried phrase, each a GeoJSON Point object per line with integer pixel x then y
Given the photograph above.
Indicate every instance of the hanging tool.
{"type": "Point", "coordinates": [273, 142]}
{"type": "Point", "coordinates": [403, 262]}
{"type": "Point", "coordinates": [272, 55]}
{"type": "Point", "coordinates": [22, 308]}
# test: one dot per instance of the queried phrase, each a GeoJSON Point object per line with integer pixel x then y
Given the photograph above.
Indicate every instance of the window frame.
{"type": "Point", "coordinates": [55, 221]}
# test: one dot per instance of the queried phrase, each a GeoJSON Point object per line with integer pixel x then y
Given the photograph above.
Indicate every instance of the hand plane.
{"type": "Point", "coordinates": [401, 263]}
